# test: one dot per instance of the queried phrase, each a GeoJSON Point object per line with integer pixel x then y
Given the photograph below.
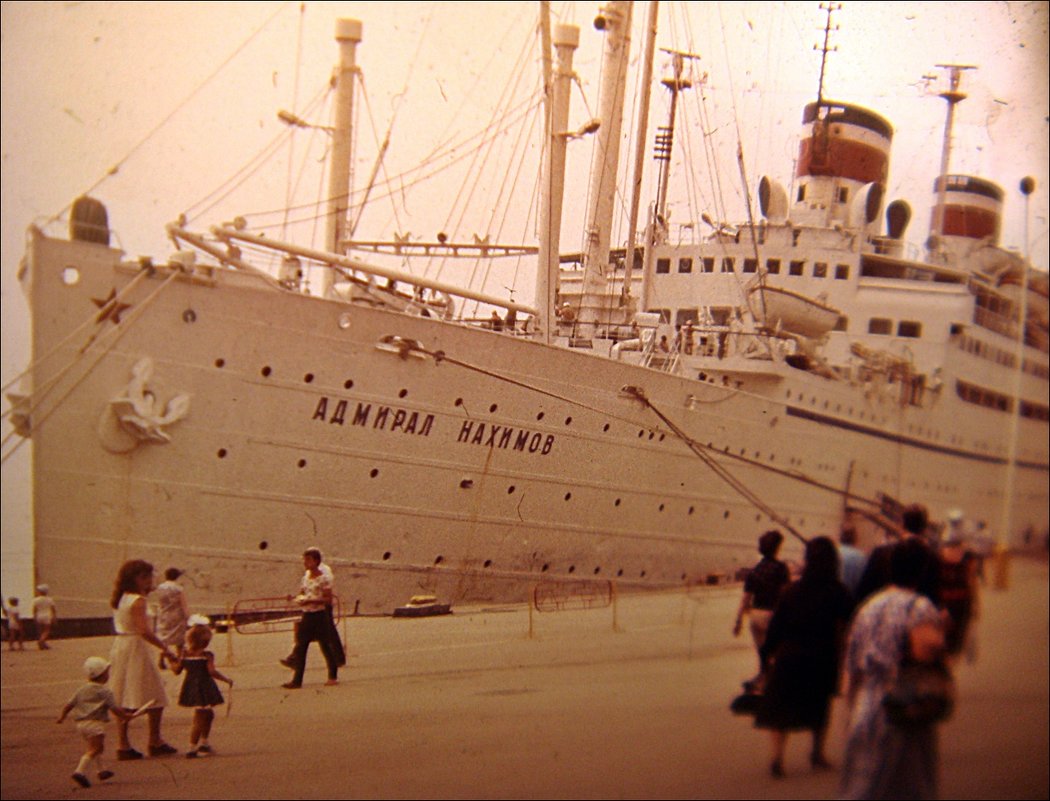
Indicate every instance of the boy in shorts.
{"type": "Point", "coordinates": [90, 706]}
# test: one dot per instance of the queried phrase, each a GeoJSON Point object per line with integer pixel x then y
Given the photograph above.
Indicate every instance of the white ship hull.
{"type": "Point", "coordinates": [473, 477]}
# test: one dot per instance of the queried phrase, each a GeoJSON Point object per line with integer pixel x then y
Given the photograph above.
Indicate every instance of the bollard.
{"type": "Point", "coordinates": [229, 636]}
{"type": "Point", "coordinates": [1002, 567]}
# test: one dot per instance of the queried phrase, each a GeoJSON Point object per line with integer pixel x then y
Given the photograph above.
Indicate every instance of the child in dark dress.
{"type": "Point", "coordinates": [199, 689]}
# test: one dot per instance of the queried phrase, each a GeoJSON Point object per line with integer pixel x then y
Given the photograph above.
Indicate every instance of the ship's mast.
{"type": "Point", "coordinates": [557, 90]}
{"type": "Point", "coordinates": [615, 20]}
{"type": "Point", "coordinates": [830, 8]}
{"type": "Point", "coordinates": [639, 153]}
{"type": "Point", "coordinates": [348, 35]}
{"type": "Point", "coordinates": [953, 96]}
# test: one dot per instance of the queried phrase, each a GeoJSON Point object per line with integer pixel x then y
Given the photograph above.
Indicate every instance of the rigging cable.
{"type": "Point", "coordinates": [696, 447]}
{"type": "Point", "coordinates": [116, 167]}
{"type": "Point", "coordinates": [112, 336]}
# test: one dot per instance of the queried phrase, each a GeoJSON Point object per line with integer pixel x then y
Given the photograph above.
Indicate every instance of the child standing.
{"type": "Point", "coordinates": [199, 689]}
{"type": "Point", "coordinates": [90, 706]}
{"type": "Point", "coordinates": [45, 615]}
{"type": "Point", "coordinates": [14, 625]}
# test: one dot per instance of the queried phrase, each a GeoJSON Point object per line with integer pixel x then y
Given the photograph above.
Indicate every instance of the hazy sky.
{"type": "Point", "coordinates": [85, 84]}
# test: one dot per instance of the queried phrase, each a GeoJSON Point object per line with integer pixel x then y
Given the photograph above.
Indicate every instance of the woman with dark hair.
{"type": "Point", "coordinates": [884, 760]}
{"type": "Point", "coordinates": [134, 679]}
{"type": "Point", "coordinates": [761, 591]}
{"type": "Point", "coordinates": [802, 653]}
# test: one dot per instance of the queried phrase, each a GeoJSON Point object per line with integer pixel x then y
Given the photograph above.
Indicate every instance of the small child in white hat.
{"type": "Point", "coordinates": [90, 706]}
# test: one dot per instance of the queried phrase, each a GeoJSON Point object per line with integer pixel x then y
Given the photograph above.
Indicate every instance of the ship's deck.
{"type": "Point", "coordinates": [467, 706]}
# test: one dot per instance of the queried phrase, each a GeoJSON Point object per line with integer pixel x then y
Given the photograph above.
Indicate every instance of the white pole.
{"type": "Point", "coordinates": [348, 35]}
{"type": "Point", "coordinates": [566, 40]}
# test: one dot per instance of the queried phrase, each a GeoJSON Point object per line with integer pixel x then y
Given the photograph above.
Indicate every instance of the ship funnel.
{"type": "Point", "coordinates": [772, 200]}
{"type": "Point", "coordinates": [972, 208]}
{"type": "Point", "coordinates": [898, 215]}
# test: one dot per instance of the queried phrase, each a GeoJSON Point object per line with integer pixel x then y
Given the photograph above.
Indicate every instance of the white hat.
{"type": "Point", "coordinates": [955, 515]}
{"type": "Point", "coordinates": [95, 666]}
{"type": "Point", "coordinates": [43, 589]}
{"type": "Point", "coordinates": [197, 620]}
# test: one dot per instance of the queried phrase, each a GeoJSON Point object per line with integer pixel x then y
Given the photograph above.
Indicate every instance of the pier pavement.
{"type": "Point", "coordinates": [468, 706]}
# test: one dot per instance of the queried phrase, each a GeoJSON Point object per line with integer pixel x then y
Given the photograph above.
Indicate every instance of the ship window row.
{"type": "Point", "coordinates": [727, 264]}
{"type": "Point", "coordinates": [883, 326]}
{"type": "Point", "coordinates": [971, 393]}
{"type": "Point", "coordinates": [989, 352]}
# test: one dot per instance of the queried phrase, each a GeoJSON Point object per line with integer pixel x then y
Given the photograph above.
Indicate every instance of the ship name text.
{"type": "Point", "coordinates": [385, 418]}
{"type": "Point", "coordinates": [505, 437]}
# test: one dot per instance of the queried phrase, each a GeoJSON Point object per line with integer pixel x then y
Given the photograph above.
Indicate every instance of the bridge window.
{"type": "Point", "coordinates": [841, 272]}
{"type": "Point", "coordinates": [773, 266]}
{"type": "Point", "coordinates": [909, 328]}
{"type": "Point", "coordinates": [663, 265]}
{"type": "Point", "coordinates": [820, 270]}
{"type": "Point", "coordinates": [727, 264]}
{"type": "Point", "coordinates": [796, 267]}
{"type": "Point", "coordinates": [750, 265]}
{"type": "Point", "coordinates": [709, 264]}
{"type": "Point", "coordinates": [880, 325]}
{"type": "Point", "coordinates": [685, 265]}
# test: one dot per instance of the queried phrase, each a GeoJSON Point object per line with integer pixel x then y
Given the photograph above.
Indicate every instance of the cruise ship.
{"type": "Point", "coordinates": [637, 426]}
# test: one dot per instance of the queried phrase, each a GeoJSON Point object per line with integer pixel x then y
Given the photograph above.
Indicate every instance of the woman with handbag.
{"type": "Point", "coordinates": [895, 629]}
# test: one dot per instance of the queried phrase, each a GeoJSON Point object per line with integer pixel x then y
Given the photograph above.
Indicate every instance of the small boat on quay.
{"type": "Point", "coordinates": [664, 396]}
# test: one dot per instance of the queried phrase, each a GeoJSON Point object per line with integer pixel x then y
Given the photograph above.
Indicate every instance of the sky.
{"type": "Point", "coordinates": [180, 96]}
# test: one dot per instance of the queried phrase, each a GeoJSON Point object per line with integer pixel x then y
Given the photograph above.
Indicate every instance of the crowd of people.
{"type": "Point", "coordinates": [847, 616]}
{"type": "Point", "coordinates": [860, 618]}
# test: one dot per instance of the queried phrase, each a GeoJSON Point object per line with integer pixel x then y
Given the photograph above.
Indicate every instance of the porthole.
{"type": "Point", "coordinates": [189, 316]}
{"type": "Point", "coordinates": [540, 416]}
{"type": "Point", "coordinates": [222, 453]}
{"type": "Point", "coordinates": [605, 427]}
{"type": "Point", "coordinates": [308, 378]}
{"type": "Point", "coordinates": [651, 435]}
{"type": "Point", "coordinates": [348, 384]}
{"type": "Point", "coordinates": [597, 570]}
{"type": "Point", "coordinates": [70, 276]}
{"type": "Point", "coordinates": [344, 321]}
{"type": "Point", "coordinates": [691, 509]}
{"type": "Point", "coordinates": [439, 560]}
{"type": "Point", "coordinates": [510, 490]}
{"type": "Point", "coordinates": [568, 495]}
{"type": "Point", "coordinates": [374, 472]}
{"type": "Point", "coordinates": [302, 463]}
{"type": "Point", "coordinates": [619, 572]}
{"type": "Point", "coordinates": [572, 568]}
{"type": "Point", "coordinates": [568, 421]}
{"type": "Point", "coordinates": [402, 393]}
{"type": "Point", "coordinates": [641, 434]}
{"type": "Point", "coordinates": [661, 507]}
{"type": "Point", "coordinates": [220, 363]}
{"type": "Point", "coordinates": [488, 563]}
{"type": "Point", "coordinates": [725, 515]}
{"type": "Point", "coordinates": [545, 568]}
{"type": "Point", "coordinates": [386, 556]}
{"type": "Point", "coordinates": [642, 574]}
{"type": "Point", "coordinates": [617, 503]}
{"type": "Point", "coordinates": [266, 371]}
{"type": "Point", "coordinates": [493, 407]}
{"type": "Point", "coordinates": [263, 545]}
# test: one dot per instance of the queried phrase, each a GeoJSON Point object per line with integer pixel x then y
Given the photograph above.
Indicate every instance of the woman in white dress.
{"type": "Point", "coordinates": [134, 678]}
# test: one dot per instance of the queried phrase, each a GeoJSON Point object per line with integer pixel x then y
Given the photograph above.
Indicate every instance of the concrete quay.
{"type": "Point", "coordinates": [469, 706]}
